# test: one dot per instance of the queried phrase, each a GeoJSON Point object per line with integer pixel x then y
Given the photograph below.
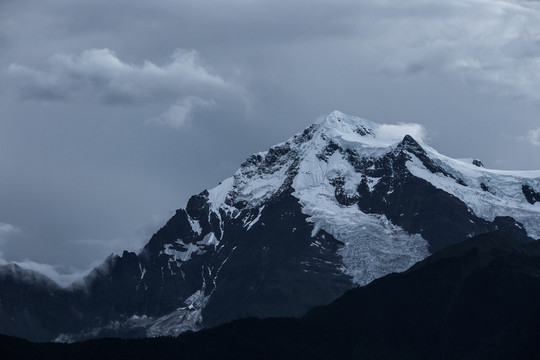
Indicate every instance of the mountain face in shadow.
{"type": "Point", "coordinates": [475, 300]}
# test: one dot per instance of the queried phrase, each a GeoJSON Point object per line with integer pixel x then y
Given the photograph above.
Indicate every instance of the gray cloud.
{"type": "Point", "coordinates": [62, 275]}
{"type": "Point", "coordinates": [179, 115]}
{"type": "Point", "coordinates": [89, 167]}
{"type": "Point", "coordinates": [493, 45]}
{"type": "Point", "coordinates": [7, 229]}
{"type": "Point", "coordinates": [99, 75]}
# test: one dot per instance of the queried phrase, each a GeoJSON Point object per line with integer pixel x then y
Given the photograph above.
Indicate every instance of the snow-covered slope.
{"type": "Point", "coordinates": [313, 161]}
{"type": "Point", "coordinates": [335, 206]}
{"type": "Point", "coordinates": [488, 193]}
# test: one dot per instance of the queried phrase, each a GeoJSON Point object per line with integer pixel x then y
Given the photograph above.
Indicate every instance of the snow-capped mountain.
{"type": "Point", "coordinates": [338, 205]}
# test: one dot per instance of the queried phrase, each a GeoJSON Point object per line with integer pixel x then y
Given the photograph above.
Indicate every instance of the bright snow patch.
{"type": "Point", "coordinates": [188, 317]}
{"type": "Point", "coordinates": [176, 255]}
{"type": "Point", "coordinates": [217, 195]}
{"type": "Point", "coordinates": [209, 240]}
{"type": "Point", "coordinates": [195, 225]}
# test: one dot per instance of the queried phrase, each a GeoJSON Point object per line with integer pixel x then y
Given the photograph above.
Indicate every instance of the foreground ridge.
{"type": "Point", "coordinates": [473, 300]}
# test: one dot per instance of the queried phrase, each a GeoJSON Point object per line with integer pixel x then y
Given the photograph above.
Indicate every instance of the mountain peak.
{"type": "Point", "coordinates": [338, 119]}
{"type": "Point", "coordinates": [339, 123]}
{"type": "Point", "coordinates": [352, 129]}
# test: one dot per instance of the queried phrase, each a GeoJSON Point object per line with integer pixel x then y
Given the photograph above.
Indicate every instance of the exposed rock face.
{"type": "Point", "coordinates": [340, 204]}
{"type": "Point", "coordinates": [478, 163]}
{"type": "Point", "coordinates": [531, 195]}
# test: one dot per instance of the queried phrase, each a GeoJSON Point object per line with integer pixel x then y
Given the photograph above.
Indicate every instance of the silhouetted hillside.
{"type": "Point", "coordinates": [475, 300]}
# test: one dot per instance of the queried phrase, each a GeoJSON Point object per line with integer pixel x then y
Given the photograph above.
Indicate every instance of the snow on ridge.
{"type": "Point", "coordinates": [195, 225]}
{"type": "Point", "coordinates": [254, 183]}
{"type": "Point", "coordinates": [217, 195]}
{"type": "Point", "coordinates": [488, 193]}
{"type": "Point", "coordinates": [182, 256]}
{"type": "Point", "coordinates": [249, 223]}
{"type": "Point", "coordinates": [258, 188]}
{"type": "Point", "coordinates": [467, 168]}
{"type": "Point", "coordinates": [187, 250]}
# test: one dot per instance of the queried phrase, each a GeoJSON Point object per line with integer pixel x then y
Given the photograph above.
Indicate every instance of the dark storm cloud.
{"type": "Point", "coordinates": [90, 165]}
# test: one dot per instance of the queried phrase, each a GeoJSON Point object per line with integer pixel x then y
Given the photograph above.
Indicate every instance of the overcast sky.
{"type": "Point", "coordinates": [114, 112]}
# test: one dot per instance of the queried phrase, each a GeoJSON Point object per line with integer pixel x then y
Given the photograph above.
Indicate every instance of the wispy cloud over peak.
{"type": "Point", "coordinates": [179, 115]}
{"type": "Point", "coordinates": [7, 230]}
{"type": "Point", "coordinates": [533, 136]}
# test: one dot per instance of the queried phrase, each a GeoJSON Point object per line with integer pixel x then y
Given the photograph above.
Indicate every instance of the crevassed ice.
{"type": "Point", "coordinates": [374, 246]}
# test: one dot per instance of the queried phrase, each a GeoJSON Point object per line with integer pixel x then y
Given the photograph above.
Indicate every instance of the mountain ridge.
{"type": "Point", "coordinates": [338, 205]}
